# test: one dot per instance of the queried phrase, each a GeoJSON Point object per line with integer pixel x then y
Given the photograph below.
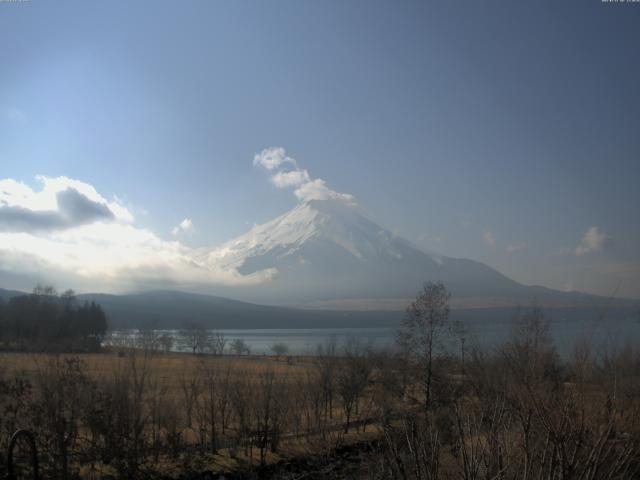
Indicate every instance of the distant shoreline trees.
{"type": "Point", "coordinates": [196, 339]}
{"type": "Point", "coordinates": [48, 321]}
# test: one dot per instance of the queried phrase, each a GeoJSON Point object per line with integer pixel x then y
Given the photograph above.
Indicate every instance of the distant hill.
{"type": "Point", "coordinates": [172, 309]}
{"type": "Point", "coordinates": [6, 295]}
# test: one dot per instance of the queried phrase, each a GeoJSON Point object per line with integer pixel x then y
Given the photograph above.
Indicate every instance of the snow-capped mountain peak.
{"type": "Point", "coordinates": [327, 252]}
{"type": "Point", "coordinates": [328, 221]}
{"type": "Point", "coordinates": [326, 249]}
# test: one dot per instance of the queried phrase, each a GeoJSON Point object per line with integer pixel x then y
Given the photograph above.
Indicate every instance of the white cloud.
{"type": "Point", "coordinates": [108, 255]}
{"type": "Point", "coordinates": [489, 238]}
{"type": "Point", "coordinates": [594, 240]}
{"type": "Point", "coordinates": [271, 158]}
{"type": "Point", "coordinates": [318, 190]}
{"type": "Point", "coordinates": [185, 226]}
{"type": "Point", "coordinates": [293, 178]}
{"type": "Point", "coordinates": [516, 248]}
{"type": "Point", "coordinates": [307, 188]}
{"type": "Point", "coordinates": [60, 203]}
{"type": "Point", "coordinates": [67, 233]}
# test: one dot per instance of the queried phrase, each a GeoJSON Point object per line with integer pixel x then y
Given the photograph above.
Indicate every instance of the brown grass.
{"type": "Point", "coordinates": [171, 368]}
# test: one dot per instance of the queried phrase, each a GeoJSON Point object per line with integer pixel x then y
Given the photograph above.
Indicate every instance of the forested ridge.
{"type": "Point", "coordinates": [46, 320]}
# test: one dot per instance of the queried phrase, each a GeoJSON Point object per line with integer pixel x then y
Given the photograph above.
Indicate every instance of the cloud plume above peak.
{"type": "Point", "coordinates": [272, 158]}
{"type": "Point", "coordinates": [287, 174]}
{"type": "Point", "coordinates": [489, 238]}
{"type": "Point", "coordinates": [293, 178]}
{"type": "Point", "coordinates": [594, 240]}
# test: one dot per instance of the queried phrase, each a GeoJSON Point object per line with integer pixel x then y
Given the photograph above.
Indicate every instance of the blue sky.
{"type": "Point", "coordinates": [499, 131]}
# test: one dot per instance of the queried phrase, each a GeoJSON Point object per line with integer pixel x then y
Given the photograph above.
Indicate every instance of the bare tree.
{"type": "Point", "coordinates": [211, 384]}
{"type": "Point", "coordinates": [223, 397]}
{"type": "Point", "coordinates": [60, 382]}
{"type": "Point", "coordinates": [325, 362]}
{"type": "Point", "coordinates": [166, 342]}
{"type": "Point", "coordinates": [423, 332]}
{"type": "Point", "coordinates": [353, 378]}
{"type": "Point", "coordinates": [191, 386]}
{"type": "Point", "coordinates": [195, 338]}
{"type": "Point", "coordinates": [280, 349]}
{"type": "Point", "coordinates": [266, 417]}
{"type": "Point", "coordinates": [242, 404]}
{"type": "Point", "coordinates": [529, 351]}
{"type": "Point", "coordinates": [120, 415]}
{"type": "Point", "coordinates": [411, 450]}
{"type": "Point", "coordinates": [240, 347]}
{"type": "Point", "coordinates": [45, 291]}
{"type": "Point", "coordinates": [148, 339]}
{"type": "Point", "coordinates": [217, 343]}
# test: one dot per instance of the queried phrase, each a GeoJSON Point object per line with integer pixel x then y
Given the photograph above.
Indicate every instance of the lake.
{"type": "Point", "coordinates": [610, 333]}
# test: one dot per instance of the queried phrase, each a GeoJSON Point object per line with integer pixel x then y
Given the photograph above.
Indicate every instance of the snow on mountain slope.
{"type": "Point", "coordinates": [326, 249]}
{"type": "Point", "coordinates": [329, 220]}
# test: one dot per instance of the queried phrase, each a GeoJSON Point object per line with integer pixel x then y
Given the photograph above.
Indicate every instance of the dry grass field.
{"type": "Point", "coordinates": [170, 368]}
{"type": "Point", "coordinates": [517, 412]}
{"type": "Point", "coordinates": [184, 412]}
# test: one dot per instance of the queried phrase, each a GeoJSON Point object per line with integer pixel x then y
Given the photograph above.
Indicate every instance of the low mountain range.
{"type": "Point", "coordinates": [166, 309]}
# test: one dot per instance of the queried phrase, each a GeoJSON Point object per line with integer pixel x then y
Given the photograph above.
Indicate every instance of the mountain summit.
{"type": "Point", "coordinates": [318, 223]}
{"type": "Point", "coordinates": [326, 250]}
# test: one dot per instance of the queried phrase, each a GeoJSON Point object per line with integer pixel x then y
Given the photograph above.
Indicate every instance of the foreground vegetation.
{"type": "Point", "coordinates": [513, 412]}
{"type": "Point", "coordinates": [47, 321]}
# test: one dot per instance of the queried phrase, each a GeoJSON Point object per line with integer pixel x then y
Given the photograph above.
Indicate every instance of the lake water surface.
{"type": "Point", "coordinates": [615, 333]}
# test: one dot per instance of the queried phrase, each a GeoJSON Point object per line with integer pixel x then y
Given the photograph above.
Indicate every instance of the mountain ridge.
{"type": "Point", "coordinates": [170, 309]}
{"type": "Point", "coordinates": [326, 250]}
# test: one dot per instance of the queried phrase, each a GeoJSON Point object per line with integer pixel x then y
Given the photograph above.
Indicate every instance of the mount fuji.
{"type": "Point", "coordinates": [327, 254]}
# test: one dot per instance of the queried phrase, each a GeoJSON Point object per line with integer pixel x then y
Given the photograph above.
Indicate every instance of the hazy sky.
{"type": "Point", "coordinates": [506, 132]}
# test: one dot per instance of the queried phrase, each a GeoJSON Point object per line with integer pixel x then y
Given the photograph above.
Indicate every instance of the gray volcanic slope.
{"type": "Point", "coordinates": [325, 250]}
